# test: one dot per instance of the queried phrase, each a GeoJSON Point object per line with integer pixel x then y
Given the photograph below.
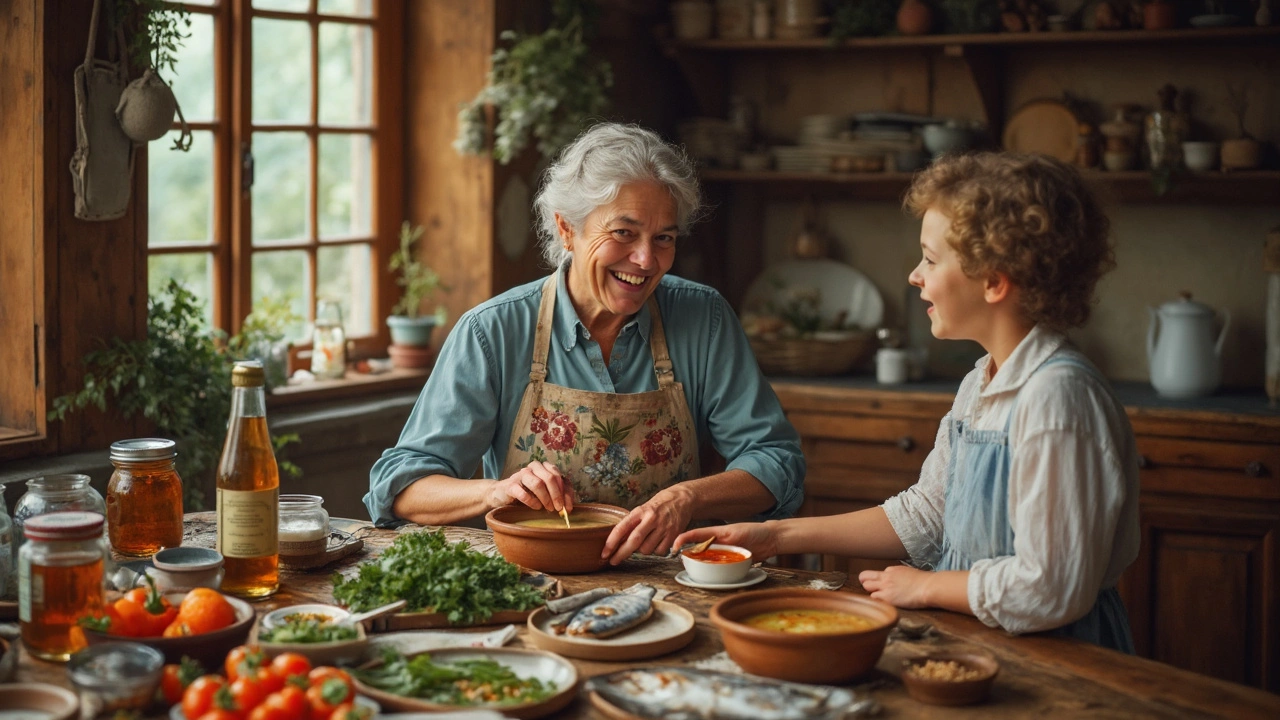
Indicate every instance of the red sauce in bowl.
{"type": "Point", "coordinates": [717, 556]}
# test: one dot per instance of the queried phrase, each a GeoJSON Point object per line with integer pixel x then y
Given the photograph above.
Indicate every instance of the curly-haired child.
{"type": "Point", "coordinates": [1026, 511]}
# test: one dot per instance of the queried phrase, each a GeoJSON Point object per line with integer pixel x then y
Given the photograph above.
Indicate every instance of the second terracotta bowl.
{"type": "Point", "coordinates": [553, 549]}
{"type": "Point", "coordinates": [809, 658]}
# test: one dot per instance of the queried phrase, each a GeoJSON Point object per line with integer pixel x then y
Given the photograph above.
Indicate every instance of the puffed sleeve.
{"type": "Point", "coordinates": [452, 424]}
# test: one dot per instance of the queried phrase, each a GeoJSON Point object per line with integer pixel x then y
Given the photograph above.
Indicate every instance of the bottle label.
{"type": "Point", "coordinates": [30, 591]}
{"type": "Point", "coordinates": [248, 522]}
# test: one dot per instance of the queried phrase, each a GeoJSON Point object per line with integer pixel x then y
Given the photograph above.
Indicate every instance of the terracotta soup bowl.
{"type": "Point", "coordinates": [554, 548]}
{"type": "Point", "coordinates": [819, 657]}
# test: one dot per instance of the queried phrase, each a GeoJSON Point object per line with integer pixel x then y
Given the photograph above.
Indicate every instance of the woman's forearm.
{"type": "Point", "coordinates": [442, 500]}
{"type": "Point", "coordinates": [730, 495]}
{"type": "Point", "coordinates": [864, 534]}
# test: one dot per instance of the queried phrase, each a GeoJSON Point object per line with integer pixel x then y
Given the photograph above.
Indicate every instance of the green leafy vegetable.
{"type": "Point", "coordinates": [434, 575]}
{"type": "Point", "coordinates": [466, 682]}
{"type": "Point", "coordinates": [301, 629]}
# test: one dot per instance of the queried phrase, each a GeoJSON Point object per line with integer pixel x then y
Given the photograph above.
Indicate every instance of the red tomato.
{"type": "Point", "coordinates": [325, 697]}
{"type": "Point", "coordinates": [269, 681]}
{"type": "Point", "coordinates": [242, 660]}
{"type": "Point", "coordinates": [247, 693]}
{"type": "Point", "coordinates": [174, 679]}
{"type": "Point", "coordinates": [219, 714]}
{"type": "Point", "coordinates": [317, 676]}
{"type": "Point", "coordinates": [350, 711]}
{"type": "Point", "coordinates": [287, 665]}
{"type": "Point", "coordinates": [198, 697]}
{"type": "Point", "coordinates": [293, 700]}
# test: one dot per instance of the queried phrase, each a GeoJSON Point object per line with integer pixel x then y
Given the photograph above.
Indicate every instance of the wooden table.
{"type": "Point", "coordinates": [1039, 676]}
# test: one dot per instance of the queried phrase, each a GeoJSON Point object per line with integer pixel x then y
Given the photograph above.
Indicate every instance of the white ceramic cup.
{"type": "Point", "coordinates": [718, 573]}
{"type": "Point", "coordinates": [1200, 155]}
{"type": "Point", "coordinates": [891, 366]}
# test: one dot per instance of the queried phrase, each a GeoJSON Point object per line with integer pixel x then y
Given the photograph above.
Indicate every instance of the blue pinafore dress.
{"type": "Point", "coordinates": [976, 519]}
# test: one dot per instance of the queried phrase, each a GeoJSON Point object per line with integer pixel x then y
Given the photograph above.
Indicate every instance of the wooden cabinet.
{"type": "Point", "coordinates": [1204, 592]}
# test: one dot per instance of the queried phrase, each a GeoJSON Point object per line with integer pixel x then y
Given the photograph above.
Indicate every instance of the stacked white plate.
{"type": "Point", "coordinates": [801, 159]}
{"type": "Point", "coordinates": [821, 127]}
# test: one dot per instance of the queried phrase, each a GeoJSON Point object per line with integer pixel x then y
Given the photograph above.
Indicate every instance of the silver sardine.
{"type": "Point", "coordinates": [613, 614]}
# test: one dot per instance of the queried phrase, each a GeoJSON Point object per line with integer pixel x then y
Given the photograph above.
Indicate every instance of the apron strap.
{"type": "Point", "coordinates": [658, 346]}
{"type": "Point", "coordinates": [93, 37]}
{"type": "Point", "coordinates": [542, 338]}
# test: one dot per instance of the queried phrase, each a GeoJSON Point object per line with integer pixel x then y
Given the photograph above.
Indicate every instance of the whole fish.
{"type": "Point", "coordinates": [614, 614]}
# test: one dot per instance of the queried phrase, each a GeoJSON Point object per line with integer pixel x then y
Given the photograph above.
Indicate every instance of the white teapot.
{"type": "Point", "coordinates": [1184, 357]}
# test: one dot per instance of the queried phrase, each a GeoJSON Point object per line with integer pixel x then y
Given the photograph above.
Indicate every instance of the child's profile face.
{"type": "Point", "coordinates": [957, 307]}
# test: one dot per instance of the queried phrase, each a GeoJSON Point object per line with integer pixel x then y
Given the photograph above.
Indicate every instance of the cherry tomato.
{"type": "Point", "coordinates": [219, 714]}
{"type": "Point", "coordinates": [350, 711]}
{"type": "Point", "coordinates": [292, 700]}
{"type": "Point", "coordinates": [325, 697]}
{"type": "Point", "coordinates": [268, 711]}
{"type": "Point", "coordinates": [198, 697]}
{"type": "Point", "coordinates": [174, 679]}
{"type": "Point", "coordinates": [287, 665]}
{"type": "Point", "coordinates": [243, 660]}
{"type": "Point", "coordinates": [269, 681]}
{"type": "Point", "coordinates": [247, 693]}
{"type": "Point", "coordinates": [318, 675]}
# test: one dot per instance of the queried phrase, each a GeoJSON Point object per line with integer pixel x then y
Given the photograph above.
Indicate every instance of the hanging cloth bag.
{"type": "Point", "coordinates": [102, 166]}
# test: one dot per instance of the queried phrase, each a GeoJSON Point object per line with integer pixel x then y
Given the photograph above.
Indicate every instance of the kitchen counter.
{"type": "Point", "coordinates": [1039, 676]}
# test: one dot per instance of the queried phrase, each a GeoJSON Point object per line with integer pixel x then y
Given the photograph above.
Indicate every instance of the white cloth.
{"type": "Point", "coordinates": [1073, 489]}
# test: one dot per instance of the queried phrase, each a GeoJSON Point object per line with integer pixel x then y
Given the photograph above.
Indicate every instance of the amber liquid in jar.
{"type": "Point", "coordinates": [248, 486]}
{"type": "Point", "coordinates": [144, 508]}
{"type": "Point", "coordinates": [61, 595]}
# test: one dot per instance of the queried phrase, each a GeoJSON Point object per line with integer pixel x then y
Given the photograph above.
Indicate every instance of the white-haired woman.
{"type": "Point", "coordinates": [600, 382]}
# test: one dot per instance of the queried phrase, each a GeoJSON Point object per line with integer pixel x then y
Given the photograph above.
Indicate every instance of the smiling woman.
{"type": "Point", "coordinates": [601, 382]}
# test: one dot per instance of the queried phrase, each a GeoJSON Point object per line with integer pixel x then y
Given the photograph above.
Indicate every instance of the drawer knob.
{"type": "Point", "coordinates": [1144, 462]}
{"type": "Point", "coordinates": [1255, 469]}
{"type": "Point", "coordinates": [906, 443]}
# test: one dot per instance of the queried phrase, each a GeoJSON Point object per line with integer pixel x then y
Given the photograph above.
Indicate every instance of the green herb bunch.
{"type": "Point", "coordinates": [154, 30]}
{"type": "Point", "coordinates": [434, 575]}
{"type": "Point", "coordinates": [545, 86]}
{"type": "Point", "coordinates": [417, 280]}
{"type": "Point", "coordinates": [863, 18]}
{"type": "Point", "coordinates": [465, 682]}
{"type": "Point", "coordinates": [179, 378]}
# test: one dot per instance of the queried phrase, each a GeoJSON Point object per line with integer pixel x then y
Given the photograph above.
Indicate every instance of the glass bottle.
{"type": "Point", "coordinates": [60, 580]}
{"type": "Point", "coordinates": [55, 493]}
{"type": "Point", "coordinates": [7, 584]}
{"type": "Point", "coordinates": [304, 525]}
{"type": "Point", "coordinates": [1166, 129]}
{"type": "Point", "coordinates": [248, 488]}
{"type": "Point", "coordinates": [144, 497]}
{"type": "Point", "coordinates": [328, 342]}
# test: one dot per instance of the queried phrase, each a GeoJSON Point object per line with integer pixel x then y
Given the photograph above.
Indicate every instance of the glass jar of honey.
{"type": "Point", "coordinates": [60, 580]}
{"type": "Point", "coordinates": [144, 497]}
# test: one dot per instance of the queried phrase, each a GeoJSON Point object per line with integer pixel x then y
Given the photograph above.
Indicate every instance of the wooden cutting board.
{"type": "Point", "coordinates": [1048, 127]}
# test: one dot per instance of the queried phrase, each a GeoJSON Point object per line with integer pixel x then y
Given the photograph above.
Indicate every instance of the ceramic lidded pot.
{"type": "Point", "coordinates": [1183, 354]}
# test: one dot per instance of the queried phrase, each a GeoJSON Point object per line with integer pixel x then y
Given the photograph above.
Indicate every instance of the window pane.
{"type": "Point", "coordinates": [345, 186]}
{"type": "Point", "coordinates": [344, 275]}
{"type": "Point", "coordinates": [281, 71]}
{"type": "Point", "coordinates": [192, 81]}
{"type": "Point", "coordinates": [281, 186]}
{"type": "Point", "coordinates": [194, 270]}
{"type": "Point", "coordinates": [283, 274]}
{"type": "Point", "coordinates": [180, 191]}
{"type": "Point", "coordinates": [285, 5]}
{"type": "Point", "coordinates": [346, 74]}
{"type": "Point", "coordinates": [358, 8]}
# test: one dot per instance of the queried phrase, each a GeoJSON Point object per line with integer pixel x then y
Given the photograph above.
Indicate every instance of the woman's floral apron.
{"type": "Point", "coordinates": [619, 449]}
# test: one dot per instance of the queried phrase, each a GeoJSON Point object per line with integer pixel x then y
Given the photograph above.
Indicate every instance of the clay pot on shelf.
{"type": "Point", "coordinates": [1159, 15]}
{"type": "Point", "coordinates": [914, 18]}
{"type": "Point", "coordinates": [1241, 154]}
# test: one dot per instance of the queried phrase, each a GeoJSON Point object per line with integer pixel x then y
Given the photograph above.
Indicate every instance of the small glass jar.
{"type": "Point", "coordinates": [60, 580]}
{"type": "Point", "coordinates": [328, 342]}
{"type": "Point", "coordinates": [304, 525]}
{"type": "Point", "coordinates": [144, 497]}
{"type": "Point", "coordinates": [55, 493]}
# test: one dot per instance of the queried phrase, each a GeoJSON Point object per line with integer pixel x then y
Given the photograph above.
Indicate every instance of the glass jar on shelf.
{"type": "Point", "coordinates": [304, 525]}
{"type": "Point", "coordinates": [144, 497]}
{"type": "Point", "coordinates": [60, 580]}
{"type": "Point", "coordinates": [55, 493]}
{"type": "Point", "coordinates": [328, 341]}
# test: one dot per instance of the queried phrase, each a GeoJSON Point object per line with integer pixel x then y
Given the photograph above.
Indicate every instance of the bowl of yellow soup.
{"type": "Point", "coordinates": [802, 635]}
{"type": "Point", "coordinates": [540, 540]}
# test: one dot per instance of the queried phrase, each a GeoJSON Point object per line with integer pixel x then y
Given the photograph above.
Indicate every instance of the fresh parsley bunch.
{"type": "Point", "coordinates": [434, 575]}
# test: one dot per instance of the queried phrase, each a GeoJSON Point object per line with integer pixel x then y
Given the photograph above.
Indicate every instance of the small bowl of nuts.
{"type": "Point", "coordinates": [949, 678]}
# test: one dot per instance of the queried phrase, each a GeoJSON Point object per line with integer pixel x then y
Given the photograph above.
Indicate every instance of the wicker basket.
{"type": "Point", "coordinates": [803, 356]}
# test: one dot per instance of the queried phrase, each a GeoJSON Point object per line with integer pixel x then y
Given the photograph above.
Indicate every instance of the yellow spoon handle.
{"type": "Point", "coordinates": [565, 514]}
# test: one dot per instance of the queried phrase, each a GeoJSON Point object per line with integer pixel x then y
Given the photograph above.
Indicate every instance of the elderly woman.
{"type": "Point", "coordinates": [600, 382]}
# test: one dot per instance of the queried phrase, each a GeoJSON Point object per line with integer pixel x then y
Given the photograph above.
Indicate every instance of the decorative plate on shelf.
{"type": "Point", "coordinates": [1048, 127]}
{"type": "Point", "coordinates": [841, 290]}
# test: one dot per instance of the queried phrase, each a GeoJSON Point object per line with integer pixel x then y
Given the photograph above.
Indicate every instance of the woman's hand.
{"type": "Point", "coordinates": [899, 585]}
{"type": "Point", "coordinates": [650, 528]}
{"type": "Point", "coordinates": [538, 485]}
{"type": "Point", "coordinates": [759, 538]}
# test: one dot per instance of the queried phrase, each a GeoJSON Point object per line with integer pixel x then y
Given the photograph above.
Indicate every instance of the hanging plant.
{"type": "Point", "coordinates": [543, 86]}
{"type": "Point", "coordinates": [153, 30]}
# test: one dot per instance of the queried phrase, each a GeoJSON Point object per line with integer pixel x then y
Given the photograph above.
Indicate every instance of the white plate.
{"type": "Point", "coordinates": [842, 288]}
{"type": "Point", "coordinates": [754, 575]}
{"type": "Point", "coordinates": [670, 628]}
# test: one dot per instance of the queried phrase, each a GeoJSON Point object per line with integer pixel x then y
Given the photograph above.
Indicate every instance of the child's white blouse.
{"type": "Point", "coordinates": [1073, 489]}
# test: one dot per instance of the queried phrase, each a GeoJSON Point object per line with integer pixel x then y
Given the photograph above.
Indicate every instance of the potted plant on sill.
{"type": "Point", "coordinates": [410, 328]}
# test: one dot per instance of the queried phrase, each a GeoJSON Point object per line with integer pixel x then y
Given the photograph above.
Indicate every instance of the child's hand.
{"type": "Point", "coordinates": [756, 537]}
{"type": "Point", "coordinates": [899, 585]}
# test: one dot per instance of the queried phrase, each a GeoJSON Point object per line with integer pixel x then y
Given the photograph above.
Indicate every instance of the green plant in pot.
{"type": "Point", "coordinates": [411, 328]}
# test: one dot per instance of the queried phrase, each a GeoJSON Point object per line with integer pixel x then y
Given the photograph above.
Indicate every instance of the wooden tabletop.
{"type": "Point", "coordinates": [1039, 676]}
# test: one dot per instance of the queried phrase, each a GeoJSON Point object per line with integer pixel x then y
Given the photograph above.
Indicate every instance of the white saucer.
{"type": "Point", "coordinates": [754, 575]}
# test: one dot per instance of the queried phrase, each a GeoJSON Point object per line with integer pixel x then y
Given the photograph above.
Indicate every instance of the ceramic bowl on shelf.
{"type": "Point", "coordinates": [1200, 156]}
{"type": "Point", "coordinates": [949, 678]}
{"type": "Point", "coordinates": [553, 548]}
{"type": "Point", "coordinates": [819, 658]}
{"type": "Point", "coordinates": [943, 138]}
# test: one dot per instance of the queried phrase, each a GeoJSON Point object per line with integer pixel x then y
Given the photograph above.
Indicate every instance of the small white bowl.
{"type": "Point", "coordinates": [1200, 156]}
{"type": "Point", "coordinates": [718, 573]}
{"type": "Point", "coordinates": [180, 569]}
{"type": "Point", "coordinates": [275, 618]}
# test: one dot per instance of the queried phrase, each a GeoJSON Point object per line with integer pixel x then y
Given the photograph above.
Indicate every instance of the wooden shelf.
{"type": "Point", "coordinates": [1254, 187]}
{"type": "Point", "coordinates": [1078, 37]}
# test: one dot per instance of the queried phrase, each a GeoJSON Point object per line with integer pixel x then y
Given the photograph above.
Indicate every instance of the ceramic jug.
{"type": "Point", "coordinates": [1184, 357]}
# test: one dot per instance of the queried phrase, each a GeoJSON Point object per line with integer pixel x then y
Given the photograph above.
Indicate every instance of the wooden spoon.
{"type": "Point", "coordinates": [565, 514]}
{"type": "Point", "coordinates": [702, 546]}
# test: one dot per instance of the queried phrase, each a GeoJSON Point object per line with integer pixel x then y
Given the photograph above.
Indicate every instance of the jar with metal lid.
{"type": "Point", "coordinates": [144, 497]}
{"type": "Point", "coordinates": [55, 493]}
{"type": "Point", "coordinates": [60, 580]}
{"type": "Point", "coordinates": [304, 525]}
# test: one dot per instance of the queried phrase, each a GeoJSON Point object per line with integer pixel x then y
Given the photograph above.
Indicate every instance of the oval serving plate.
{"type": "Point", "coordinates": [671, 628]}
{"type": "Point", "coordinates": [539, 664]}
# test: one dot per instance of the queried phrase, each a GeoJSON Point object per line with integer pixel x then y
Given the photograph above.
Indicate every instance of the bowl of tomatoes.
{"type": "Point", "coordinates": [286, 687]}
{"type": "Point", "coordinates": [202, 623]}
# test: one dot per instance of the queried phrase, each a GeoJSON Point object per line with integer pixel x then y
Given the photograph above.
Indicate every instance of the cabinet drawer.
{"type": "Point", "coordinates": [1212, 468]}
{"type": "Point", "coordinates": [883, 442]}
{"type": "Point", "coordinates": [836, 484]}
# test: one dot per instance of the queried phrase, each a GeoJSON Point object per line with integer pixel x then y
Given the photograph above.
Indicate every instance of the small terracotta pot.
{"type": "Point", "coordinates": [552, 549]}
{"type": "Point", "coordinates": [411, 356]}
{"type": "Point", "coordinates": [1158, 15]}
{"type": "Point", "coordinates": [1241, 154]}
{"type": "Point", "coordinates": [914, 18]}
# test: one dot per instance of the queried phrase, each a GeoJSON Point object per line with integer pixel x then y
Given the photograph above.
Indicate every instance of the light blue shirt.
{"type": "Point", "coordinates": [469, 404]}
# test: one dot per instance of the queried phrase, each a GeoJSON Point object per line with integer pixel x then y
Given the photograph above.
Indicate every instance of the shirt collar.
{"type": "Point", "coordinates": [567, 327]}
{"type": "Point", "coordinates": [1030, 354]}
